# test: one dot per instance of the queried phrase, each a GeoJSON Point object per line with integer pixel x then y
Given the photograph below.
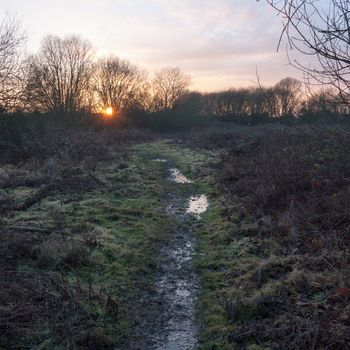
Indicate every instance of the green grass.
{"type": "Point", "coordinates": [226, 249]}
{"type": "Point", "coordinates": [128, 222]}
{"type": "Point", "coordinates": [214, 255]}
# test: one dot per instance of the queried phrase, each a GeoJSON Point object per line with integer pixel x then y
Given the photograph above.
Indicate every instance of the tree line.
{"type": "Point", "coordinates": [64, 76]}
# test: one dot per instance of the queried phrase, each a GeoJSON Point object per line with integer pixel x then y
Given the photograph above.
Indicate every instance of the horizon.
{"type": "Point", "coordinates": [214, 45]}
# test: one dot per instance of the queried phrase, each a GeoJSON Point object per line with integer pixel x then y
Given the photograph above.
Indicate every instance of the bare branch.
{"type": "Point", "coordinates": [323, 32]}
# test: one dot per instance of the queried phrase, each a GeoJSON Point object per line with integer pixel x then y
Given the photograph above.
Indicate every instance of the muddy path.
{"type": "Point", "coordinates": [169, 319]}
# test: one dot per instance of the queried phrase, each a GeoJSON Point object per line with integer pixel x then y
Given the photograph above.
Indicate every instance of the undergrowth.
{"type": "Point", "coordinates": [80, 235]}
{"type": "Point", "coordinates": [273, 249]}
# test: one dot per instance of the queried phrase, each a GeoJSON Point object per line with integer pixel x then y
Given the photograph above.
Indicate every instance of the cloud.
{"type": "Point", "coordinates": [218, 42]}
{"type": "Point", "coordinates": [226, 39]}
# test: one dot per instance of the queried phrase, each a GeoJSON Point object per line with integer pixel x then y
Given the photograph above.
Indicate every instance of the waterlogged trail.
{"type": "Point", "coordinates": [178, 284]}
{"type": "Point", "coordinates": [172, 323]}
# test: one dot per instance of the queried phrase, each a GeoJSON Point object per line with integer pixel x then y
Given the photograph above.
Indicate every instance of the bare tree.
{"type": "Point", "coordinates": [288, 97]}
{"type": "Point", "coordinates": [119, 84]}
{"type": "Point", "coordinates": [58, 77]}
{"type": "Point", "coordinates": [232, 102]}
{"type": "Point", "coordinates": [241, 102]}
{"type": "Point", "coordinates": [11, 42]}
{"type": "Point", "coordinates": [169, 86]}
{"type": "Point", "coordinates": [284, 99]}
{"type": "Point", "coordinates": [319, 30]}
{"type": "Point", "coordinates": [323, 101]}
{"type": "Point", "coordinates": [269, 105]}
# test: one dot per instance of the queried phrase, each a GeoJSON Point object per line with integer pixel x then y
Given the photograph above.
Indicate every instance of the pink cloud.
{"type": "Point", "coordinates": [218, 42]}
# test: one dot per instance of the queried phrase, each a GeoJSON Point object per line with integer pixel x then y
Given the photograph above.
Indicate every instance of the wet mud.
{"type": "Point", "coordinates": [170, 320]}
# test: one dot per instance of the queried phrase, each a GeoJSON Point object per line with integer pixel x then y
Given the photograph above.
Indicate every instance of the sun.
{"type": "Point", "coordinates": [108, 111]}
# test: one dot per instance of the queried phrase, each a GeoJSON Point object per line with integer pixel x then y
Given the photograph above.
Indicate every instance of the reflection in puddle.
{"type": "Point", "coordinates": [198, 205]}
{"type": "Point", "coordinates": [175, 175]}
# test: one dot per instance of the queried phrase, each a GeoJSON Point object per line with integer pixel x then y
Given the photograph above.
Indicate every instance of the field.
{"type": "Point", "coordinates": [83, 233]}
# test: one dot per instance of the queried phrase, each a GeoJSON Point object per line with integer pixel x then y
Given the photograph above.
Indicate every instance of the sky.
{"type": "Point", "coordinates": [220, 43]}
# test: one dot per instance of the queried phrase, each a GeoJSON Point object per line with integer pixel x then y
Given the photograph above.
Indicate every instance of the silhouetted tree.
{"type": "Point", "coordinates": [324, 103]}
{"type": "Point", "coordinates": [320, 30]}
{"type": "Point", "coordinates": [282, 100]}
{"type": "Point", "coordinates": [239, 102]}
{"type": "Point", "coordinates": [235, 101]}
{"type": "Point", "coordinates": [229, 103]}
{"type": "Point", "coordinates": [321, 101]}
{"type": "Point", "coordinates": [58, 77]}
{"type": "Point", "coordinates": [168, 86]}
{"type": "Point", "coordinates": [288, 97]}
{"type": "Point", "coordinates": [11, 42]}
{"type": "Point", "coordinates": [119, 84]}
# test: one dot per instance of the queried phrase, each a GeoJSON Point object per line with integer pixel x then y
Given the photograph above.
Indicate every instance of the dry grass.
{"type": "Point", "coordinates": [289, 187]}
{"type": "Point", "coordinates": [46, 301]}
{"type": "Point", "coordinates": [33, 304]}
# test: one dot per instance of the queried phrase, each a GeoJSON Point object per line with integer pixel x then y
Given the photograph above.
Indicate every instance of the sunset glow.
{"type": "Point", "coordinates": [108, 112]}
{"type": "Point", "coordinates": [220, 43]}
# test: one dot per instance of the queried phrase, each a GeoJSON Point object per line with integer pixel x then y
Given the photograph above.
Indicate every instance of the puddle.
{"type": "Point", "coordinates": [197, 205]}
{"type": "Point", "coordinates": [171, 323]}
{"type": "Point", "coordinates": [176, 176]}
{"type": "Point", "coordinates": [178, 287]}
